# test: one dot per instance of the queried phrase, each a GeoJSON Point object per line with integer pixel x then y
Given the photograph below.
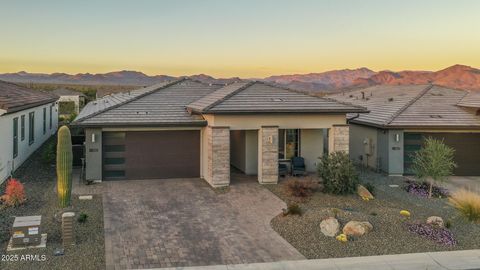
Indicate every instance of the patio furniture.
{"type": "Point", "coordinates": [298, 166]}
{"type": "Point", "coordinates": [282, 169]}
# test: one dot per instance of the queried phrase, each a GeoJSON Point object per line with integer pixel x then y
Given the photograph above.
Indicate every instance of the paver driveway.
{"type": "Point", "coordinates": [183, 222]}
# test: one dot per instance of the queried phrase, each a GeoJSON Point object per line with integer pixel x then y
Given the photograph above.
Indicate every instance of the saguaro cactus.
{"type": "Point", "coordinates": [64, 166]}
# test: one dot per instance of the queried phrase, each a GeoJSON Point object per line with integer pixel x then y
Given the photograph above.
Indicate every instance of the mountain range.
{"type": "Point", "coordinates": [456, 76]}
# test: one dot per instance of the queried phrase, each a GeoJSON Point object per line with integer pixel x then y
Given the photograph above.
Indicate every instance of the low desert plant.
{"type": "Point", "coordinates": [292, 209]}
{"type": "Point", "coordinates": [14, 193]}
{"type": "Point", "coordinates": [448, 224]}
{"type": "Point", "coordinates": [82, 218]}
{"type": "Point", "coordinates": [467, 203]}
{"type": "Point", "coordinates": [422, 189]}
{"type": "Point", "coordinates": [434, 162]}
{"type": "Point", "coordinates": [338, 173]}
{"type": "Point", "coordinates": [300, 187]}
{"type": "Point", "coordinates": [441, 236]}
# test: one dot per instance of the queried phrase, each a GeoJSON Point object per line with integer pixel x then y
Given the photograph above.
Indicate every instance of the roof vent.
{"type": "Point", "coordinates": [436, 116]}
{"type": "Point", "coordinates": [277, 100]}
{"type": "Point", "coordinates": [142, 113]}
{"type": "Point", "coordinates": [390, 99]}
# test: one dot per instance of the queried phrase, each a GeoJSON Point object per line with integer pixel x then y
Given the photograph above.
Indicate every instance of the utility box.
{"type": "Point", "coordinates": [26, 231]}
{"type": "Point", "coordinates": [368, 146]}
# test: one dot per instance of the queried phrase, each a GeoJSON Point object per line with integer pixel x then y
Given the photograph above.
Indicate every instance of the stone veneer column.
{"type": "Point", "coordinates": [339, 136]}
{"type": "Point", "coordinates": [268, 155]}
{"type": "Point", "coordinates": [218, 151]}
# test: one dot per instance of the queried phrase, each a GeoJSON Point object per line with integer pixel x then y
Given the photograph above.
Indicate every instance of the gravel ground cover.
{"type": "Point", "coordinates": [390, 234]}
{"type": "Point", "coordinates": [39, 182]}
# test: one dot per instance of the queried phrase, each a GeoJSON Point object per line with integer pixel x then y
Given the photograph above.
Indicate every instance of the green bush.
{"type": "Point", "coordinates": [292, 209]}
{"type": "Point", "coordinates": [82, 218]}
{"type": "Point", "coordinates": [338, 173]}
{"type": "Point", "coordinates": [370, 187]}
{"type": "Point", "coordinates": [49, 153]}
{"type": "Point", "coordinates": [66, 107]}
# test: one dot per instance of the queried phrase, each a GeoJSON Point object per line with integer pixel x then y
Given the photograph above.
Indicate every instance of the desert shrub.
{"type": "Point", "coordinates": [292, 209]}
{"type": "Point", "coordinates": [434, 162]}
{"type": "Point", "coordinates": [441, 236]}
{"type": "Point", "coordinates": [82, 218]}
{"type": "Point", "coordinates": [338, 173]}
{"type": "Point", "coordinates": [300, 187]}
{"type": "Point", "coordinates": [422, 189]}
{"type": "Point", "coordinates": [370, 187]}
{"type": "Point", "coordinates": [66, 107]}
{"type": "Point", "coordinates": [14, 193]}
{"type": "Point", "coordinates": [49, 153]}
{"type": "Point", "coordinates": [448, 224]}
{"type": "Point", "coordinates": [467, 203]}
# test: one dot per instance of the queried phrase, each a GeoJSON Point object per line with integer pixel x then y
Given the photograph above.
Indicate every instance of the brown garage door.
{"type": "Point", "coordinates": [151, 155]}
{"type": "Point", "coordinates": [467, 149]}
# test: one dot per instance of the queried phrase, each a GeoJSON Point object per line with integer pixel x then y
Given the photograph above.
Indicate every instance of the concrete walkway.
{"type": "Point", "coordinates": [459, 260]}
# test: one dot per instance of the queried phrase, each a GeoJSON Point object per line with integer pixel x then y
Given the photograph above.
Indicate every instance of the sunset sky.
{"type": "Point", "coordinates": [242, 38]}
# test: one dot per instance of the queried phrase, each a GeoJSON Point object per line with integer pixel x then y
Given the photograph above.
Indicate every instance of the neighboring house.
{"type": "Point", "coordinates": [72, 97]}
{"type": "Point", "coordinates": [190, 129]}
{"type": "Point", "coordinates": [27, 119]}
{"type": "Point", "coordinates": [400, 119]}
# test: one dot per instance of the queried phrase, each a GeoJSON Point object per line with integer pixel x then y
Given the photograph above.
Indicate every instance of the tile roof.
{"type": "Point", "coordinates": [162, 104]}
{"type": "Point", "coordinates": [172, 103]}
{"type": "Point", "coordinates": [412, 106]}
{"type": "Point", "coordinates": [471, 100]}
{"type": "Point", "coordinates": [261, 97]}
{"type": "Point", "coordinates": [67, 92]}
{"type": "Point", "coordinates": [15, 98]}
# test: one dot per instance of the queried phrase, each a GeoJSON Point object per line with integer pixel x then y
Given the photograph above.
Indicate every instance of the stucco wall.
{"type": "Point", "coordinates": [283, 121]}
{"type": "Point", "coordinates": [358, 134]}
{"type": "Point", "coordinates": [311, 148]}
{"type": "Point", "coordinates": [251, 144]}
{"type": "Point", "coordinates": [383, 150]}
{"type": "Point", "coordinates": [238, 149]}
{"type": "Point", "coordinates": [25, 149]}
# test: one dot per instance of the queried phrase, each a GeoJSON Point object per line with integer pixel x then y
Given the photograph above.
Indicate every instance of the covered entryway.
{"type": "Point", "coordinates": [466, 145]}
{"type": "Point", "coordinates": [137, 155]}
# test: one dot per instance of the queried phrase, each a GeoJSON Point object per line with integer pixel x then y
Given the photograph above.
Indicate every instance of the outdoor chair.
{"type": "Point", "coordinates": [282, 169]}
{"type": "Point", "coordinates": [298, 166]}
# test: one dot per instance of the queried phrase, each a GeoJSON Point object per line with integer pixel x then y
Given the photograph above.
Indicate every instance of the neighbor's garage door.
{"type": "Point", "coordinates": [151, 155]}
{"type": "Point", "coordinates": [466, 145]}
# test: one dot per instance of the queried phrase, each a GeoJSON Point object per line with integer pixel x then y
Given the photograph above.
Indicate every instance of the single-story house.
{"type": "Point", "coordinates": [190, 129]}
{"type": "Point", "coordinates": [68, 96]}
{"type": "Point", "coordinates": [400, 119]}
{"type": "Point", "coordinates": [27, 119]}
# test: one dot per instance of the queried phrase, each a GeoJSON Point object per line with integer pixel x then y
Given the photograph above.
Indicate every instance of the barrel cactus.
{"type": "Point", "coordinates": [64, 166]}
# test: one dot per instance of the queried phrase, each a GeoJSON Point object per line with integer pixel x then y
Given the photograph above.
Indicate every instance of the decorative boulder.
{"type": "Point", "coordinates": [357, 228]}
{"type": "Point", "coordinates": [364, 193]}
{"type": "Point", "coordinates": [435, 221]}
{"type": "Point", "coordinates": [330, 227]}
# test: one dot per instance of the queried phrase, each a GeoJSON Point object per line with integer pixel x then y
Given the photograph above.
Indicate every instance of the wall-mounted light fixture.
{"type": "Point", "coordinates": [397, 137]}
{"type": "Point", "coordinates": [270, 139]}
{"type": "Point", "coordinates": [93, 137]}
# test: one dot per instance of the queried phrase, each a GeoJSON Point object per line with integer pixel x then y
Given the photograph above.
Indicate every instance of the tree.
{"type": "Point", "coordinates": [434, 162]}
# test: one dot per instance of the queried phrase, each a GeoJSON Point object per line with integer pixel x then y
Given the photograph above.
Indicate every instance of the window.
{"type": "Point", "coordinates": [31, 127]}
{"type": "Point", "coordinates": [22, 127]}
{"type": "Point", "coordinates": [15, 137]}
{"type": "Point", "coordinates": [44, 120]}
{"type": "Point", "coordinates": [51, 106]}
{"type": "Point", "coordinates": [288, 143]}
